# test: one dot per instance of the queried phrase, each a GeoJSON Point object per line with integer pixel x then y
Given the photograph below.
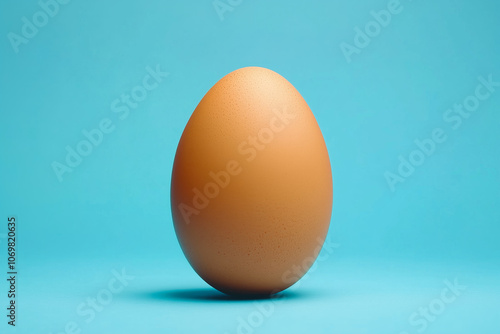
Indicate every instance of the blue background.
{"type": "Point", "coordinates": [395, 248]}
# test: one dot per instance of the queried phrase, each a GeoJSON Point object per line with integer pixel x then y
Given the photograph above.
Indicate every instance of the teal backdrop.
{"type": "Point", "coordinates": [94, 96]}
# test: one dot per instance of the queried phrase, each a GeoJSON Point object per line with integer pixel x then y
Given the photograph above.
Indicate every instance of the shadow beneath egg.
{"type": "Point", "coordinates": [212, 295]}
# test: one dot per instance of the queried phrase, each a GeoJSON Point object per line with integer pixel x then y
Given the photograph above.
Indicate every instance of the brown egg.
{"type": "Point", "coordinates": [251, 185]}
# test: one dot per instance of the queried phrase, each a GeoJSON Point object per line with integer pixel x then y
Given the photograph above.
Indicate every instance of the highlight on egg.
{"type": "Point", "coordinates": [251, 189]}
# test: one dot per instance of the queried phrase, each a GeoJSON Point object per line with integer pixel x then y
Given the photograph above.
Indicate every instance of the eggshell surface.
{"type": "Point", "coordinates": [251, 189]}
